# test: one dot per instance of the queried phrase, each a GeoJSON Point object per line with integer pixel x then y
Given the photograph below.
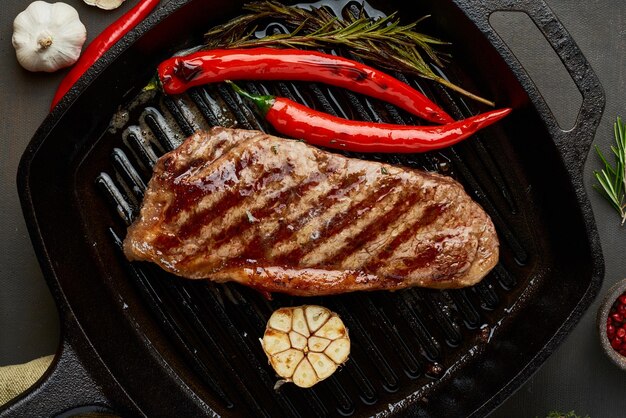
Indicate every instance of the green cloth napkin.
{"type": "Point", "coordinates": [16, 379]}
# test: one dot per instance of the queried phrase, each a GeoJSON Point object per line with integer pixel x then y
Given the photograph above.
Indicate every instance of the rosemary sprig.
{"type": "Point", "coordinates": [384, 41]}
{"type": "Point", "coordinates": [612, 178]}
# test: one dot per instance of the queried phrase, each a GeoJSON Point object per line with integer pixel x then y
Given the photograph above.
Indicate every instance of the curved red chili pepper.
{"type": "Point", "coordinates": [317, 128]}
{"type": "Point", "coordinates": [177, 74]}
{"type": "Point", "coordinates": [102, 43]}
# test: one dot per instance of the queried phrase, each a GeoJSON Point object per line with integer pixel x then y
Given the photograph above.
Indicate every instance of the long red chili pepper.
{"type": "Point", "coordinates": [102, 43]}
{"type": "Point", "coordinates": [317, 128]}
{"type": "Point", "coordinates": [177, 74]}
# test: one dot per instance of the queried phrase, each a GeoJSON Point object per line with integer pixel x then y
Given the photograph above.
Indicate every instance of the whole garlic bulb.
{"type": "Point", "coordinates": [48, 36]}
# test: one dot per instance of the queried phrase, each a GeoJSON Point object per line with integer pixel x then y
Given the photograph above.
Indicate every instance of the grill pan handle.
{"type": "Point", "coordinates": [65, 389]}
{"type": "Point", "coordinates": [573, 144]}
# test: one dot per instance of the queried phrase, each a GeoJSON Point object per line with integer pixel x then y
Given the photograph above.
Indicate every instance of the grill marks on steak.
{"type": "Point", "coordinates": [280, 215]}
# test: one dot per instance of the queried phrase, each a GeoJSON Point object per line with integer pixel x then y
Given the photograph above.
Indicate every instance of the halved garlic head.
{"type": "Point", "coordinates": [305, 344]}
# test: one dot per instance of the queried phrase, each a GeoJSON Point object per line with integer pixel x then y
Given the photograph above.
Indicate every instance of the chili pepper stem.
{"type": "Point", "coordinates": [262, 103]}
{"type": "Point", "coordinates": [153, 84]}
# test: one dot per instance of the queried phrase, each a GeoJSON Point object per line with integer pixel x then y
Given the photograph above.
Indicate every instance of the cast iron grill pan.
{"type": "Point", "coordinates": [419, 351]}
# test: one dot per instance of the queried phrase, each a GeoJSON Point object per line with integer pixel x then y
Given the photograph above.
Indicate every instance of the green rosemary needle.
{"type": "Point", "coordinates": [384, 41]}
{"type": "Point", "coordinates": [612, 178]}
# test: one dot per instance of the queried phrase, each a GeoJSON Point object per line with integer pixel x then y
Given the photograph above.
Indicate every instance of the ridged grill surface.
{"type": "Point", "coordinates": [403, 343]}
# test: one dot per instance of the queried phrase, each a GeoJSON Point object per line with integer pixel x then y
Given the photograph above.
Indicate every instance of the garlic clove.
{"type": "Point", "coordinates": [304, 375]}
{"type": "Point", "coordinates": [305, 344]}
{"type": "Point", "coordinates": [105, 4]}
{"type": "Point", "coordinates": [322, 365]}
{"type": "Point", "coordinates": [297, 340]}
{"type": "Point", "coordinates": [316, 316]}
{"type": "Point", "coordinates": [285, 363]}
{"type": "Point", "coordinates": [318, 344]}
{"type": "Point", "coordinates": [299, 322]}
{"type": "Point", "coordinates": [338, 350]}
{"type": "Point", "coordinates": [332, 329]}
{"type": "Point", "coordinates": [275, 341]}
{"type": "Point", "coordinates": [281, 320]}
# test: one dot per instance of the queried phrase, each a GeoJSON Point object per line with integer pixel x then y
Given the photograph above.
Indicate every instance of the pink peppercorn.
{"type": "Point", "coordinates": [616, 325]}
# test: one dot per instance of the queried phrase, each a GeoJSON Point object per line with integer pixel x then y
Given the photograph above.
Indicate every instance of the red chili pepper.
{"type": "Point", "coordinates": [317, 128]}
{"type": "Point", "coordinates": [177, 74]}
{"type": "Point", "coordinates": [102, 43]}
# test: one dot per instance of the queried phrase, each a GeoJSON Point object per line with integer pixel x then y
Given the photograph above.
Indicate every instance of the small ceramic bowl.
{"type": "Point", "coordinates": [605, 310]}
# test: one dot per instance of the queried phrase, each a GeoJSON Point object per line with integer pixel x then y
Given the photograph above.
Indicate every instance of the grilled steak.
{"type": "Point", "coordinates": [282, 216]}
